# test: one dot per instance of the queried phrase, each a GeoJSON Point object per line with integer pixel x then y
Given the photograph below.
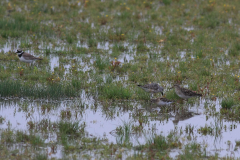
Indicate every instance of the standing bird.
{"type": "Point", "coordinates": [185, 93]}
{"type": "Point", "coordinates": [26, 57]}
{"type": "Point", "coordinates": [162, 101]}
{"type": "Point", "coordinates": [152, 88]}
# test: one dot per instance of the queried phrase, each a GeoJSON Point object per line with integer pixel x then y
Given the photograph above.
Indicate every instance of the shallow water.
{"type": "Point", "coordinates": [100, 124]}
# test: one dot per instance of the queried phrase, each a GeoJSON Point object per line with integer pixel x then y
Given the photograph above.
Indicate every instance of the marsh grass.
{"type": "Point", "coordinates": [141, 76]}
{"type": "Point", "coordinates": [9, 88]}
{"type": "Point", "coordinates": [193, 86]}
{"type": "Point", "coordinates": [115, 53]}
{"type": "Point", "coordinates": [206, 130]}
{"type": "Point", "coordinates": [157, 146]}
{"type": "Point", "coordinates": [47, 50]}
{"type": "Point", "coordinates": [142, 48]}
{"type": "Point", "coordinates": [183, 67]}
{"type": "Point", "coordinates": [206, 63]}
{"type": "Point", "coordinates": [21, 137]}
{"type": "Point", "coordinates": [158, 142]}
{"type": "Point", "coordinates": [76, 83]}
{"type": "Point", "coordinates": [1, 119]}
{"type": "Point", "coordinates": [192, 151]}
{"type": "Point", "coordinates": [109, 79]}
{"type": "Point", "coordinates": [115, 91]}
{"type": "Point", "coordinates": [25, 44]}
{"type": "Point", "coordinates": [92, 42]}
{"type": "Point", "coordinates": [141, 94]}
{"type": "Point", "coordinates": [7, 136]}
{"type": "Point", "coordinates": [145, 36]}
{"type": "Point", "coordinates": [67, 131]}
{"type": "Point", "coordinates": [103, 20]}
{"type": "Point", "coordinates": [35, 140]}
{"type": "Point", "coordinates": [199, 54]}
{"type": "Point", "coordinates": [232, 81]}
{"type": "Point", "coordinates": [17, 89]}
{"type": "Point", "coordinates": [101, 64]}
{"type": "Point", "coordinates": [124, 15]}
{"type": "Point", "coordinates": [227, 103]}
{"type": "Point", "coordinates": [175, 39]}
{"type": "Point", "coordinates": [12, 137]}
{"type": "Point", "coordinates": [210, 17]}
{"type": "Point", "coordinates": [119, 48]}
{"type": "Point", "coordinates": [41, 157]}
{"type": "Point", "coordinates": [123, 133]}
{"type": "Point", "coordinates": [234, 50]}
{"type": "Point", "coordinates": [82, 50]}
{"type": "Point", "coordinates": [66, 114]}
{"type": "Point", "coordinates": [69, 38]}
{"type": "Point", "coordinates": [18, 26]}
{"type": "Point", "coordinates": [237, 143]}
{"type": "Point", "coordinates": [69, 128]}
{"type": "Point", "coordinates": [172, 95]}
{"type": "Point", "coordinates": [204, 72]}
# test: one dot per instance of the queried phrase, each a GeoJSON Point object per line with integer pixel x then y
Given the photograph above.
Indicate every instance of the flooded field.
{"type": "Point", "coordinates": [82, 100]}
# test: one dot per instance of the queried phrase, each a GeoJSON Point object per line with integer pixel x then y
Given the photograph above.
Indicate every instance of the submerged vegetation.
{"type": "Point", "coordinates": [95, 53]}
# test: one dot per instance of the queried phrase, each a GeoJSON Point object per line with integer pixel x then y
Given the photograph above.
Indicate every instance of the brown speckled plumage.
{"type": "Point", "coordinates": [185, 93]}
{"type": "Point", "coordinates": [152, 88]}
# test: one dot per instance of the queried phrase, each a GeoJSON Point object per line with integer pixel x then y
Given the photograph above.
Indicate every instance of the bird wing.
{"type": "Point", "coordinates": [189, 92]}
{"type": "Point", "coordinates": [28, 56]}
{"type": "Point", "coordinates": [166, 100]}
{"type": "Point", "coordinates": [153, 86]}
{"type": "Point", "coordinates": [154, 100]}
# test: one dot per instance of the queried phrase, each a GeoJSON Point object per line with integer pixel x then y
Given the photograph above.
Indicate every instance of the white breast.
{"type": "Point", "coordinates": [161, 103]}
{"type": "Point", "coordinates": [24, 60]}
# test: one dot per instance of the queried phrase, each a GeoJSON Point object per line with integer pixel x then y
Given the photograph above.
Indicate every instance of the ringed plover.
{"type": "Point", "coordinates": [26, 57]}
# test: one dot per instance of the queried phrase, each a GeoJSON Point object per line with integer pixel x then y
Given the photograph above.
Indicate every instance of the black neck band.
{"type": "Point", "coordinates": [20, 55]}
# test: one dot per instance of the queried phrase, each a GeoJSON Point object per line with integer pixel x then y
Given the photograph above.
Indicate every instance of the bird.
{"type": "Point", "coordinates": [162, 101]}
{"type": "Point", "coordinates": [152, 88]}
{"type": "Point", "coordinates": [185, 93]}
{"type": "Point", "coordinates": [26, 57]}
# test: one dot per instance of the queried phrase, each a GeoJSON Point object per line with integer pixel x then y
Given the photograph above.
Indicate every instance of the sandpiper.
{"type": "Point", "coordinates": [162, 101]}
{"type": "Point", "coordinates": [152, 88]}
{"type": "Point", "coordinates": [26, 57]}
{"type": "Point", "coordinates": [185, 93]}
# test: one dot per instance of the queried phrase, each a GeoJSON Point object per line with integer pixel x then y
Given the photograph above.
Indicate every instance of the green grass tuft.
{"type": "Point", "coordinates": [71, 128]}
{"type": "Point", "coordinates": [172, 95]}
{"type": "Point", "coordinates": [235, 49]}
{"type": "Point", "coordinates": [101, 63]}
{"type": "Point", "coordinates": [227, 103]}
{"type": "Point", "coordinates": [56, 91]}
{"type": "Point", "coordinates": [167, 2]}
{"type": "Point", "coordinates": [41, 157]}
{"type": "Point", "coordinates": [158, 142]}
{"type": "Point", "coordinates": [123, 133]}
{"type": "Point", "coordinates": [115, 91]}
